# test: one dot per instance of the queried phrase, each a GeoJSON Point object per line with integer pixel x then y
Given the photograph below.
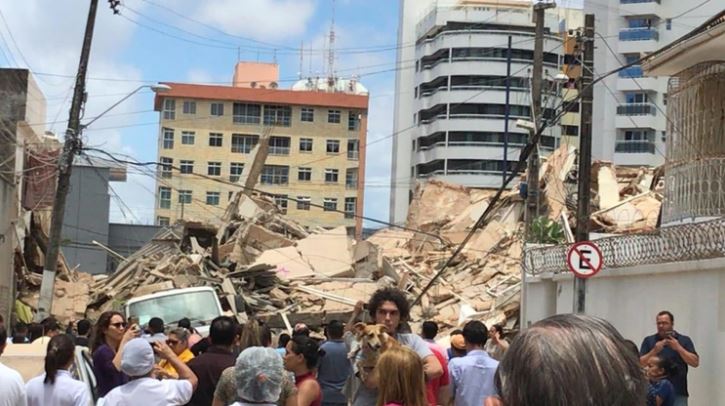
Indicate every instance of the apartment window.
{"type": "Point", "coordinates": [333, 116]}
{"type": "Point", "coordinates": [185, 196]}
{"type": "Point", "coordinates": [331, 175]}
{"type": "Point", "coordinates": [570, 130]}
{"type": "Point", "coordinates": [212, 198]}
{"type": "Point", "coordinates": [304, 174]}
{"type": "Point", "coordinates": [636, 97]}
{"type": "Point", "coordinates": [303, 202]}
{"type": "Point", "coordinates": [162, 221]}
{"type": "Point", "coordinates": [275, 175]}
{"type": "Point", "coordinates": [166, 164]}
{"type": "Point", "coordinates": [307, 114]}
{"type": "Point", "coordinates": [333, 146]}
{"type": "Point", "coordinates": [214, 169]}
{"type": "Point", "coordinates": [570, 107]}
{"type": "Point", "coordinates": [189, 107]}
{"type": "Point", "coordinates": [187, 137]}
{"type": "Point", "coordinates": [164, 197]}
{"type": "Point", "coordinates": [168, 138]}
{"type": "Point", "coordinates": [243, 143]}
{"type": "Point", "coordinates": [247, 113]}
{"type": "Point", "coordinates": [353, 149]}
{"type": "Point", "coordinates": [230, 195]}
{"type": "Point", "coordinates": [305, 144]}
{"type": "Point", "coordinates": [217, 109]}
{"type": "Point", "coordinates": [668, 23]}
{"type": "Point", "coordinates": [353, 121]}
{"type": "Point", "coordinates": [279, 145]}
{"type": "Point", "coordinates": [235, 171]}
{"type": "Point", "coordinates": [278, 115]}
{"type": "Point", "coordinates": [351, 178]}
{"type": "Point", "coordinates": [186, 166]}
{"type": "Point", "coordinates": [215, 139]}
{"type": "Point", "coordinates": [169, 109]}
{"type": "Point", "coordinates": [329, 204]}
{"type": "Point", "coordinates": [350, 203]}
{"type": "Point", "coordinates": [281, 202]}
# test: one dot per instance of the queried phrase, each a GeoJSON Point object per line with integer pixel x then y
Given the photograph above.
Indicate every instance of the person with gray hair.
{"type": "Point", "coordinates": [259, 374]}
{"type": "Point", "coordinates": [570, 359]}
{"type": "Point", "coordinates": [178, 341]}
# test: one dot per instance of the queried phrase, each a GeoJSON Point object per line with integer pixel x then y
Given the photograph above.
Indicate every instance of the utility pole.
{"type": "Point", "coordinates": [585, 153]}
{"type": "Point", "coordinates": [71, 147]}
{"type": "Point", "coordinates": [532, 200]}
{"type": "Point", "coordinates": [507, 112]}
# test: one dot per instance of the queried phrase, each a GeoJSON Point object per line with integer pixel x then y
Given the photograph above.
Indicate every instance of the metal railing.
{"type": "Point", "coordinates": [639, 34]}
{"type": "Point", "coordinates": [638, 1]}
{"type": "Point", "coordinates": [636, 109]}
{"type": "Point", "coordinates": [631, 72]}
{"type": "Point", "coordinates": [670, 244]}
{"type": "Point", "coordinates": [635, 147]}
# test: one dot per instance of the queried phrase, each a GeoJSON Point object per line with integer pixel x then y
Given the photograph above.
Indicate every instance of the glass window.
{"type": "Point", "coordinates": [305, 144]}
{"type": "Point", "coordinates": [217, 109]}
{"type": "Point", "coordinates": [215, 139]}
{"type": "Point", "coordinates": [186, 166]}
{"type": "Point", "coordinates": [278, 115]}
{"type": "Point", "coordinates": [247, 113]}
{"type": "Point", "coordinates": [165, 167]}
{"type": "Point", "coordinates": [307, 114]}
{"type": "Point", "coordinates": [331, 175]}
{"type": "Point", "coordinates": [329, 204]}
{"type": "Point", "coordinates": [202, 306]}
{"type": "Point", "coordinates": [303, 202]}
{"type": "Point", "coordinates": [353, 152]}
{"type": "Point", "coordinates": [168, 138]}
{"type": "Point", "coordinates": [351, 178]}
{"type": "Point", "coordinates": [243, 143]}
{"type": "Point", "coordinates": [164, 197]}
{"type": "Point", "coordinates": [212, 198]}
{"type": "Point", "coordinates": [350, 205]}
{"type": "Point", "coordinates": [162, 221]}
{"type": "Point", "coordinates": [333, 146]}
{"type": "Point", "coordinates": [214, 169]}
{"type": "Point", "coordinates": [304, 174]}
{"type": "Point", "coordinates": [333, 116]}
{"type": "Point", "coordinates": [279, 145]}
{"type": "Point", "coordinates": [353, 121]}
{"type": "Point", "coordinates": [185, 196]}
{"type": "Point", "coordinates": [235, 171]}
{"type": "Point", "coordinates": [281, 202]}
{"type": "Point", "coordinates": [169, 111]}
{"type": "Point", "coordinates": [189, 107]}
{"type": "Point", "coordinates": [187, 137]}
{"type": "Point", "coordinates": [275, 175]}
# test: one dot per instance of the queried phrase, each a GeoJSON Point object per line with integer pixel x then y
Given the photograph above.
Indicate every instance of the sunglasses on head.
{"type": "Point", "coordinates": [120, 324]}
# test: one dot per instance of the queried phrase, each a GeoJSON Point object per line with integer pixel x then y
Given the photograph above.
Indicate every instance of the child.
{"type": "Point", "coordinates": [661, 392]}
{"type": "Point", "coordinates": [401, 381]}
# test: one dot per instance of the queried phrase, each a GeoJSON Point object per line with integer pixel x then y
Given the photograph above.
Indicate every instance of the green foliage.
{"type": "Point", "coordinates": [546, 231]}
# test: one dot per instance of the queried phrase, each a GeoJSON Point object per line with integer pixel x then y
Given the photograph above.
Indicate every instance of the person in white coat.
{"type": "Point", "coordinates": [56, 387]}
{"type": "Point", "coordinates": [12, 391]}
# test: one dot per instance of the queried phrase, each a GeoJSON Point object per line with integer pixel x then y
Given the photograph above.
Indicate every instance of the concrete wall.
{"type": "Point", "coordinates": [630, 298]}
{"type": "Point", "coordinates": [126, 239]}
{"type": "Point", "coordinates": [7, 243]}
{"type": "Point", "coordinates": [86, 219]}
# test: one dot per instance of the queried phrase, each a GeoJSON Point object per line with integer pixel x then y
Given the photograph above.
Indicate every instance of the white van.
{"type": "Point", "coordinates": [201, 305]}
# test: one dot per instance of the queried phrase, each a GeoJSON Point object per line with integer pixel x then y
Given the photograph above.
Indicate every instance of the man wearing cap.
{"type": "Point", "coordinates": [137, 361]}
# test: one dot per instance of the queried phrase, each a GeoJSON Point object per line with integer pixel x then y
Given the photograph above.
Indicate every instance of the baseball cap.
{"type": "Point", "coordinates": [137, 358]}
{"type": "Point", "coordinates": [458, 342]}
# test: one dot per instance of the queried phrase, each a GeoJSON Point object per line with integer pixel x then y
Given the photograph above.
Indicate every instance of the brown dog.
{"type": "Point", "coordinates": [373, 340]}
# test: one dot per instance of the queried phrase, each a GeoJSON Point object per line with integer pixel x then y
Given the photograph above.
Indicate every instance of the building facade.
{"type": "Point", "coordinates": [629, 117]}
{"type": "Point", "coordinates": [451, 92]}
{"type": "Point", "coordinates": [316, 155]}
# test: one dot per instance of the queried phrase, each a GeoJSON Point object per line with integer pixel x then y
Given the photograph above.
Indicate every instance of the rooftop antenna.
{"type": "Point", "coordinates": [331, 54]}
{"type": "Point", "coordinates": [302, 59]}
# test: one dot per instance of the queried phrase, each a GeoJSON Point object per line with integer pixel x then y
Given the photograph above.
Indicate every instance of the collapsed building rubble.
{"type": "Point", "coordinates": [262, 263]}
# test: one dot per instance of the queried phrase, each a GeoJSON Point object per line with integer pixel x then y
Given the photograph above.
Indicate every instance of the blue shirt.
{"type": "Point", "coordinates": [333, 371]}
{"type": "Point", "coordinates": [472, 378]}
{"type": "Point", "coordinates": [662, 388]}
{"type": "Point", "coordinates": [679, 378]}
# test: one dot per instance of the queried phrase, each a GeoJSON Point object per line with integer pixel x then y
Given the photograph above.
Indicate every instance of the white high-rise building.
{"type": "Point", "coordinates": [629, 121]}
{"type": "Point", "coordinates": [450, 92]}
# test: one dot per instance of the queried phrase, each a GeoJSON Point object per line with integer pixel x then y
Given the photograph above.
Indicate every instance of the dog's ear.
{"type": "Point", "coordinates": [359, 328]}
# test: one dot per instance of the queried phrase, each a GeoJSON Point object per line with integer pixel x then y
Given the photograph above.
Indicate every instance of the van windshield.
{"type": "Point", "coordinates": [194, 305]}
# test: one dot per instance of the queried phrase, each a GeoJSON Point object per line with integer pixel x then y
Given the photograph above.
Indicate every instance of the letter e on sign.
{"type": "Point", "coordinates": [584, 259]}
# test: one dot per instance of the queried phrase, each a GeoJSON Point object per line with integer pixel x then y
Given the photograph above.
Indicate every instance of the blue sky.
{"type": "Point", "coordinates": [129, 51]}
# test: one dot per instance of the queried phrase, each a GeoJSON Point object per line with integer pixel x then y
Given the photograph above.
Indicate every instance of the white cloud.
{"type": "Point", "coordinates": [267, 20]}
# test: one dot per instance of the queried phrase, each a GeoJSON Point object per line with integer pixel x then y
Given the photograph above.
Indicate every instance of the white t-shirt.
{"type": "Point", "coordinates": [150, 392]}
{"type": "Point", "coordinates": [12, 388]}
{"type": "Point", "coordinates": [66, 391]}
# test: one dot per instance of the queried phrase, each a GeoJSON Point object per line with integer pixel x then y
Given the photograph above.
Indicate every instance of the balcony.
{"type": "Point", "coordinates": [638, 1]}
{"type": "Point", "coordinates": [637, 109]}
{"type": "Point", "coordinates": [631, 72]}
{"type": "Point", "coordinates": [639, 34]}
{"type": "Point", "coordinates": [639, 8]}
{"type": "Point", "coordinates": [635, 147]}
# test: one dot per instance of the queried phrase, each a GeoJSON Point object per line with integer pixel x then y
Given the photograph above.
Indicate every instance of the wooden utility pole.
{"type": "Point", "coordinates": [585, 152]}
{"type": "Point", "coordinates": [71, 147]}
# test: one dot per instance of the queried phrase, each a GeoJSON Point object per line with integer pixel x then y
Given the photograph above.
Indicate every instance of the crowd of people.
{"type": "Point", "coordinates": [562, 360]}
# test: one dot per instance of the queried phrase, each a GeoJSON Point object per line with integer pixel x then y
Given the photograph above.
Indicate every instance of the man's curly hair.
{"type": "Point", "coordinates": [389, 295]}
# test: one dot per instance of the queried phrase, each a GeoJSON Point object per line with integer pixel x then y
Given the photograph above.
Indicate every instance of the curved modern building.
{"type": "Point", "coordinates": [451, 92]}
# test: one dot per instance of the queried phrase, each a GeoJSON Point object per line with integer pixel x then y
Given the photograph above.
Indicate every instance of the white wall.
{"type": "Point", "coordinates": [630, 298]}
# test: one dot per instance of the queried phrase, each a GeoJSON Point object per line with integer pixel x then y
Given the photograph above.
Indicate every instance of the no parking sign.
{"type": "Point", "coordinates": [584, 259]}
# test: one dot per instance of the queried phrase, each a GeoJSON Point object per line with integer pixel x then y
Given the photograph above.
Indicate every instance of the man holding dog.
{"type": "Point", "coordinates": [389, 307]}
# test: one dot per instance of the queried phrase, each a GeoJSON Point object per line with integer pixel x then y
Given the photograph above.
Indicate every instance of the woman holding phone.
{"type": "Point", "coordinates": [110, 334]}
